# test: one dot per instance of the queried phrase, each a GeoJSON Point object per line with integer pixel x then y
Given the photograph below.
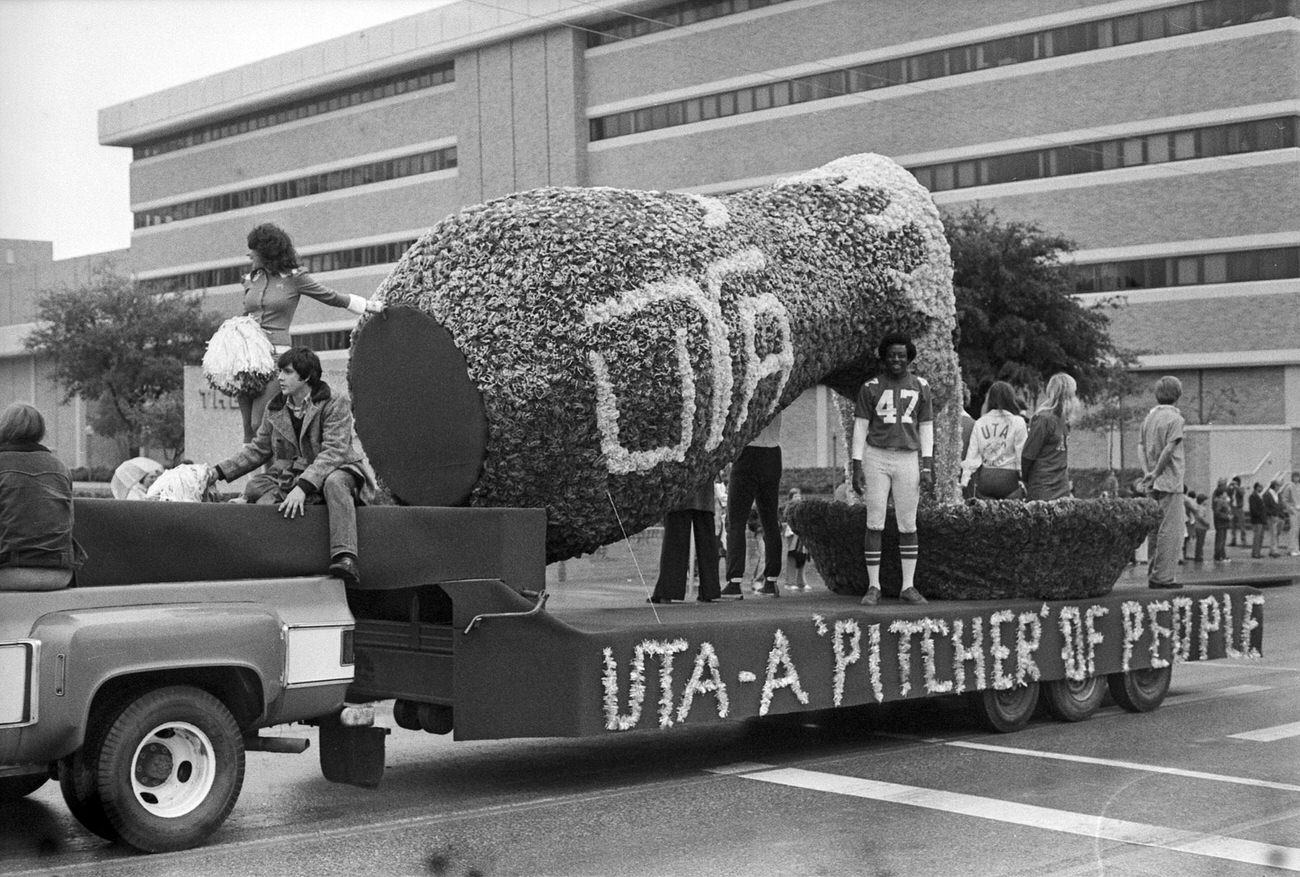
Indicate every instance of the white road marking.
{"type": "Point", "coordinates": [1227, 691]}
{"type": "Point", "coordinates": [1268, 735]}
{"type": "Point", "coordinates": [1239, 664]}
{"type": "Point", "coordinates": [1128, 765]}
{"type": "Point", "coordinates": [738, 767]}
{"type": "Point", "coordinates": [1082, 824]}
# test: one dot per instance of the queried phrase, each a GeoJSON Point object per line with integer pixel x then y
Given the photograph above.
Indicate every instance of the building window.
{"type": "Point", "coordinates": [428, 77]}
{"type": "Point", "coordinates": [1019, 49]}
{"type": "Point", "coordinates": [426, 162]}
{"type": "Point", "coordinates": [316, 263]}
{"type": "Point", "coordinates": [1262, 135]}
{"type": "Point", "coordinates": [661, 18]}
{"type": "Point", "coordinates": [1244, 266]}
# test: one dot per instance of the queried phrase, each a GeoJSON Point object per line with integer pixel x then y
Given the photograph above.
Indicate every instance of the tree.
{"type": "Point", "coordinates": [124, 351]}
{"type": "Point", "coordinates": [1017, 320]}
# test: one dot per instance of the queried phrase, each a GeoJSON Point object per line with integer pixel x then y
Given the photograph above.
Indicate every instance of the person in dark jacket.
{"type": "Point", "coordinates": [1221, 504]}
{"type": "Point", "coordinates": [308, 439]}
{"type": "Point", "coordinates": [1258, 519]}
{"type": "Point", "coordinates": [1273, 513]}
{"type": "Point", "coordinates": [37, 552]}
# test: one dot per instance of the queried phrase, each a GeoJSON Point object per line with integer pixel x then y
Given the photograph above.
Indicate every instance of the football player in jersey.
{"type": "Point", "coordinates": [893, 452]}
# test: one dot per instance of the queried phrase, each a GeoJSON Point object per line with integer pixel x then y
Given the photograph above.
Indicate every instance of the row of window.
{"type": "Point", "coordinates": [1156, 24]}
{"type": "Point", "coordinates": [428, 77]}
{"type": "Point", "coordinates": [316, 263]}
{"type": "Point", "coordinates": [665, 17]}
{"type": "Point", "coordinates": [1240, 267]}
{"type": "Point", "coordinates": [1082, 158]}
{"type": "Point", "coordinates": [375, 172]}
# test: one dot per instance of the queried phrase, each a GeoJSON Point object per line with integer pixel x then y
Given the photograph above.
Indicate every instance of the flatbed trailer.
{"type": "Point", "coordinates": [194, 626]}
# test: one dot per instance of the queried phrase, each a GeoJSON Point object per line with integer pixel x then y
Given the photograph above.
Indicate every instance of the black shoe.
{"type": "Point", "coordinates": [705, 599]}
{"type": "Point", "coordinates": [770, 589]}
{"type": "Point", "coordinates": [733, 590]}
{"type": "Point", "coordinates": [658, 600]}
{"type": "Point", "coordinates": [345, 567]}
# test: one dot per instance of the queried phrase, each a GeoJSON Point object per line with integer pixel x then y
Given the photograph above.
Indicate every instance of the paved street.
{"type": "Point", "coordinates": [1208, 784]}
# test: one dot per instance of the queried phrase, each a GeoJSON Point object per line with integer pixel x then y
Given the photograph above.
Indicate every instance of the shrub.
{"type": "Point", "coordinates": [985, 550]}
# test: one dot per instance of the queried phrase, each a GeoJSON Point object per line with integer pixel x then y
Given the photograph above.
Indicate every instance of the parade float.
{"type": "Point", "coordinates": [553, 371]}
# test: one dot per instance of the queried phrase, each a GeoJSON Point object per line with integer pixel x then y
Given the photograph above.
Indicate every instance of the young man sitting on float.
{"type": "Point", "coordinates": [307, 436]}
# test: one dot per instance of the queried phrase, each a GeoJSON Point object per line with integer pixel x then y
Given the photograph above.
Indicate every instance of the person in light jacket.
{"type": "Point", "coordinates": [993, 458]}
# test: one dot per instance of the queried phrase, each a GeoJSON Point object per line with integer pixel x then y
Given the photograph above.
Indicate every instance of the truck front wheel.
{"type": "Point", "coordinates": [1074, 701]}
{"type": "Point", "coordinates": [1006, 710]}
{"type": "Point", "coordinates": [1140, 691]}
{"type": "Point", "coordinates": [170, 769]}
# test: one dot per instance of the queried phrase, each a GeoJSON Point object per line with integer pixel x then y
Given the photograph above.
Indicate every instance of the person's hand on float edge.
{"type": "Point", "coordinates": [293, 503]}
{"type": "Point", "coordinates": [859, 478]}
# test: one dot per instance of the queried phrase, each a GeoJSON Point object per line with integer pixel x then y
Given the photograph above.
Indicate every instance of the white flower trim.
{"type": "Point", "coordinates": [1133, 617]}
{"type": "Point", "coordinates": [746, 676]}
{"type": "Point", "coordinates": [873, 662]}
{"type": "Point", "coordinates": [618, 458]}
{"type": "Point", "coordinates": [1158, 631]}
{"type": "Point", "coordinates": [930, 627]}
{"type": "Point", "coordinates": [844, 658]}
{"type": "Point", "coordinates": [779, 659]}
{"type": "Point", "coordinates": [716, 213]}
{"type": "Point", "coordinates": [999, 652]}
{"type": "Point", "coordinates": [706, 661]}
{"type": "Point", "coordinates": [779, 362]}
{"type": "Point", "coordinates": [1184, 607]}
{"type": "Point", "coordinates": [905, 630]}
{"type": "Point", "coordinates": [1026, 668]}
{"type": "Point", "coordinates": [1248, 622]}
{"type": "Point", "coordinates": [665, 650]}
{"type": "Point", "coordinates": [963, 654]}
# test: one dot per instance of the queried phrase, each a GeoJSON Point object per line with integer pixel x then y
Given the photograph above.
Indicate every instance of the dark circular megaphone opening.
{"type": "Point", "coordinates": [418, 414]}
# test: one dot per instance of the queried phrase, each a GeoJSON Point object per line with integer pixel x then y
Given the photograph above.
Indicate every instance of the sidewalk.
{"type": "Point", "coordinates": [1240, 569]}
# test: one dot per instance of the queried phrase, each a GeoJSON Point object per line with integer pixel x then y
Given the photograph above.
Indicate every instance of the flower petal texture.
{"type": "Point", "coordinates": [627, 345]}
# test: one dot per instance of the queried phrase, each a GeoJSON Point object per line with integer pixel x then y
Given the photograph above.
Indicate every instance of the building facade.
{"type": "Point", "coordinates": [1160, 136]}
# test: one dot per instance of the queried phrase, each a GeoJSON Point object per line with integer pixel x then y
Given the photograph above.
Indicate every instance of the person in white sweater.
{"type": "Point", "coordinates": [993, 457]}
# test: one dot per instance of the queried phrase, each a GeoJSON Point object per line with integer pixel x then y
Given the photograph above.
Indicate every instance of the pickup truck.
{"type": "Point", "coordinates": [192, 627]}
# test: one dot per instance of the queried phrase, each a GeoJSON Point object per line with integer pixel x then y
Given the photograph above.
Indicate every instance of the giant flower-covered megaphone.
{"type": "Point", "coordinates": [601, 352]}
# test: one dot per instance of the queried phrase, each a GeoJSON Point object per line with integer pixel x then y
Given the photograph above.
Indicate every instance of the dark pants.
{"type": "Point", "coordinates": [755, 480]}
{"type": "Point", "coordinates": [338, 493]}
{"type": "Point", "coordinates": [675, 555]}
{"type": "Point", "coordinates": [1198, 540]}
{"type": "Point", "coordinates": [1257, 544]}
{"type": "Point", "coordinates": [1220, 542]}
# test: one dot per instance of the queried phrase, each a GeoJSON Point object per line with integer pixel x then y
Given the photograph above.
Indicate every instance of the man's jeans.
{"type": "Point", "coordinates": [1165, 545]}
{"type": "Point", "coordinates": [339, 493]}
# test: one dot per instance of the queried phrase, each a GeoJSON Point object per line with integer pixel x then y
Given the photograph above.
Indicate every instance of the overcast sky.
{"type": "Point", "coordinates": [61, 61]}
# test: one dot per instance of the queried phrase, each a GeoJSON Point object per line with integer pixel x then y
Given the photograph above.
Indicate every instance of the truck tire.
{"type": "Point", "coordinates": [170, 769]}
{"type": "Point", "coordinates": [79, 772]}
{"type": "Point", "coordinates": [1006, 710]}
{"type": "Point", "coordinates": [1072, 701]}
{"type": "Point", "coordinates": [13, 788]}
{"type": "Point", "coordinates": [1140, 691]}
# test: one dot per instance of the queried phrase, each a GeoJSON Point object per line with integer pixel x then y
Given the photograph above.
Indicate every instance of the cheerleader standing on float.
{"type": "Point", "coordinates": [272, 288]}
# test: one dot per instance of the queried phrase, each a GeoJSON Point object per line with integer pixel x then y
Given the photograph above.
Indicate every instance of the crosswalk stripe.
{"type": "Point", "coordinates": [1269, 735]}
{"type": "Point", "coordinates": [1127, 765]}
{"type": "Point", "coordinates": [1085, 825]}
{"type": "Point", "coordinates": [1215, 693]}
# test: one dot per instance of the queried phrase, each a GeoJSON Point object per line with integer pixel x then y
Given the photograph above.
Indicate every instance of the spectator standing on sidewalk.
{"type": "Point", "coordinates": [1163, 463]}
{"type": "Point", "coordinates": [1237, 494]}
{"type": "Point", "coordinates": [1290, 497]}
{"type": "Point", "coordinates": [1258, 519]}
{"type": "Point", "coordinates": [1200, 527]}
{"type": "Point", "coordinates": [1221, 507]}
{"type": "Point", "coordinates": [1273, 515]}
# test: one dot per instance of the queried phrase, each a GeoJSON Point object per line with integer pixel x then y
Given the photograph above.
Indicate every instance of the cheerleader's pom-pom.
{"type": "Point", "coordinates": [240, 359]}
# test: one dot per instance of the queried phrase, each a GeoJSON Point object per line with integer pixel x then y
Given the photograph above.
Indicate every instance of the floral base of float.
{"type": "Point", "coordinates": [597, 671]}
{"type": "Point", "coordinates": [985, 550]}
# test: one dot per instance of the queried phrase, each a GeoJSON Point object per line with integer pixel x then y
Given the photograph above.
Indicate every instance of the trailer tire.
{"type": "Point", "coordinates": [13, 788]}
{"type": "Point", "coordinates": [1072, 701]}
{"type": "Point", "coordinates": [1140, 691]}
{"type": "Point", "coordinates": [170, 769]}
{"type": "Point", "coordinates": [1007, 709]}
{"type": "Point", "coordinates": [406, 714]}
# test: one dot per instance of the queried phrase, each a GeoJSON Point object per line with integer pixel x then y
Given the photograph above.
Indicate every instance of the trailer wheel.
{"type": "Point", "coordinates": [12, 788]}
{"type": "Point", "coordinates": [170, 769]}
{"type": "Point", "coordinates": [1072, 701]}
{"type": "Point", "coordinates": [1140, 691]}
{"type": "Point", "coordinates": [406, 714]}
{"type": "Point", "coordinates": [1008, 709]}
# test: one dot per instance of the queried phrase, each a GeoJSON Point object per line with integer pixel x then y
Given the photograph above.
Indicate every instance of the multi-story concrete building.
{"type": "Point", "coordinates": [1161, 136]}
